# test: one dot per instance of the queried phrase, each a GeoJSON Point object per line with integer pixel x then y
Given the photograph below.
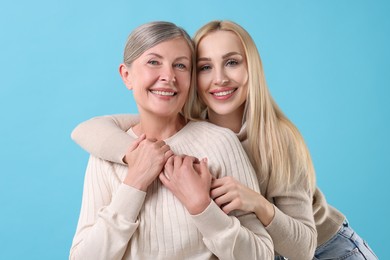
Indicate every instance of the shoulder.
{"type": "Point", "coordinates": [204, 134]}
{"type": "Point", "coordinates": [209, 133]}
{"type": "Point", "coordinates": [209, 129]}
{"type": "Point", "coordinates": [103, 167]}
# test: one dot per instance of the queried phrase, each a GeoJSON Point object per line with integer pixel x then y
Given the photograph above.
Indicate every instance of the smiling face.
{"type": "Point", "coordinates": [222, 74]}
{"type": "Point", "coordinates": [160, 78]}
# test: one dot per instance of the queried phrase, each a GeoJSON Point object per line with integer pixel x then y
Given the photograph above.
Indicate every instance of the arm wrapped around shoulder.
{"type": "Point", "coordinates": [105, 137]}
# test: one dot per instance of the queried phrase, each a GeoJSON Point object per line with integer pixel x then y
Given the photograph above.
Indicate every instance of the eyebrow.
{"type": "Point", "coordinates": [231, 54]}
{"type": "Point", "coordinates": [223, 56]}
{"type": "Point", "coordinates": [161, 57]}
{"type": "Point", "coordinates": [154, 54]}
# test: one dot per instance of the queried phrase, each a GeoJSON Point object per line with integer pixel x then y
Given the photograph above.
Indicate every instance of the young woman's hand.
{"type": "Point", "coordinates": [189, 180]}
{"type": "Point", "coordinates": [145, 159]}
{"type": "Point", "coordinates": [229, 194]}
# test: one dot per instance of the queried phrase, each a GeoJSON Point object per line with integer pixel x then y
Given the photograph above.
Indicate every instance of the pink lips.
{"type": "Point", "coordinates": [163, 93]}
{"type": "Point", "coordinates": [223, 94]}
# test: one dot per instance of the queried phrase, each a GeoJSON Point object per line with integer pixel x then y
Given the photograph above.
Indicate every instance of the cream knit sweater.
{"type": "Point", "coordinates": [120, 222]}
{"type": "Point", "coordinates": [294, 231]}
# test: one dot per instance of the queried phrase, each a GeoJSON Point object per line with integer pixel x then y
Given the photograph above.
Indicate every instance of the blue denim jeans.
{"type": "Point", "coordinates": [346, 244]}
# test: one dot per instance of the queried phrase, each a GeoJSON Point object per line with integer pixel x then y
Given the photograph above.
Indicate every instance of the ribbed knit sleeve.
{"type": "Point", "coordinates": [328, 219]}
{"type": "Point", "coordinates": [108, 214]}
{"type": "Point", "coordinates": [292, 228]}
{"type": "Point", "coordinates": [230, 237]}
{"type": "Point", "coordinates": [105, 136]}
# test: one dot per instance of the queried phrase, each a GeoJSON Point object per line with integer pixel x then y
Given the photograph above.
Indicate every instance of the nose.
{"type": "Point", "coordinates": [167, 74]}
{"type": "Point", "coordinates": [220, 77]}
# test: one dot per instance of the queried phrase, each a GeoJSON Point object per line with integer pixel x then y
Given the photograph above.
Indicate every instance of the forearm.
{"type": "Point", "coordinates": [293, 231]}
{"type": "Point", "coordinates": [105, 136]}
{"type": "Point", "coordinates": [230, 237]}
{"type": "Point", "coordinates": [107, 237]}
{"type": "Point", "coordinates": [264, 210]}
{"type": "Point", "coordinates": [107, 219]}
{"type": "Point", "coordinates": [242, 236]}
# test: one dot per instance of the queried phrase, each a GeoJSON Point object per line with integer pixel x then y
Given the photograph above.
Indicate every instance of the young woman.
{"type": "Point", "coordinates": [159, 205]}
{"type": "Point", "coordinates": [232, 93]}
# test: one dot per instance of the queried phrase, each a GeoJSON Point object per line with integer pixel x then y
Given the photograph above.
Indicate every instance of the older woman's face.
{"type": "Point", "coordinates": [161, 77]}
{"type": "Point", "coordinates": [222, 72]}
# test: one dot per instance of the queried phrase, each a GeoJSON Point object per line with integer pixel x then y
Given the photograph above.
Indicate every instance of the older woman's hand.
{"type": "Point", "coordinates": [189, 180]}
{"type": "Point", "coordinates": [145, 160]}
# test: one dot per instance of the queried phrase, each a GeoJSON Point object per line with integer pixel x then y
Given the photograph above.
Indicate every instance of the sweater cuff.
{"type": "Point", "coordinates": [127, 202]}
{"type": "Point", "coordinates": [277, 221]}
{"type": "Point", "coordinates": [117, 146]}
{"type": "Point", "coordinates": [212, 221]}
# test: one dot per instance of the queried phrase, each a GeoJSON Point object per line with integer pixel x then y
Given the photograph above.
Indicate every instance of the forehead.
{"type": "Point", "coordinates": [220, 42]}
{"type": "Point", "coordinates": [177, 47]}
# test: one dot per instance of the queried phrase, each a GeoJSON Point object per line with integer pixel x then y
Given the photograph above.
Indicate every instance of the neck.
{"type": "Point", "coordinates": [233, 121]}
{"type": "Point", "coordinates": [159, 127]}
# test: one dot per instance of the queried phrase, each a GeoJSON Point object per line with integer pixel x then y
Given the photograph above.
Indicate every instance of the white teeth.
{"type": "Point", "coordinates": [162, 93]}
{"type": "Point", "coordinates": [223, 93]}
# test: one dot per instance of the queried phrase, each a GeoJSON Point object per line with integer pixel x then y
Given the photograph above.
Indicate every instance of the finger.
{"type": "Point", "coordinates": [216, 183]}
{"type": "Point", "coordinates": [224, 199]}
{"type": "Point", "coordinates": [193, 159]}
{"type": "Point", "coordinates": [229, 207]}
{"type": "Point", "coordinates": [205, 172]}
{"type": "Point", "coordinates": [169, 165]}
{"type": "Point", "coordinates": [165, 148]}
{"type": "Point", "coordinates": [204, 168]}
{"type": "Point", "coordinates": [177, 161]}
{"type": "Point", "coordinates": [164, 180]}
{"type": "Point", "coordinates": [190, 160]}
{"type": "Point", "coordinates": [136, 143]}
{"type": "Point", "coordinates": [217, 192]}
{"type": "Point", "coordinates": [168, 154]}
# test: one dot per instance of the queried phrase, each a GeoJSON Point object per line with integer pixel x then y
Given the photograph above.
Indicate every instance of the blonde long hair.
{"type": "Point", "coordinates": [276, 147]}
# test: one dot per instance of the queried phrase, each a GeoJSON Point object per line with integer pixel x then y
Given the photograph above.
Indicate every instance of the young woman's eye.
{"type": "Point", "coordinates": [204, 68]}
{"type": "Point", "coordinates": [231, 62]}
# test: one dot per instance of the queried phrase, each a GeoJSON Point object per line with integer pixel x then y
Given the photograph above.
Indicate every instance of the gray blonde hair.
{"type": "Point", "coordinates": [276, 147]}
{"type": "Point", "coordinates": [149, 35]}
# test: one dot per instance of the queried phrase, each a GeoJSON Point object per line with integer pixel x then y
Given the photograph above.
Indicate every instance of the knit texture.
{"type": "Point", "coordinates": [120, 222]}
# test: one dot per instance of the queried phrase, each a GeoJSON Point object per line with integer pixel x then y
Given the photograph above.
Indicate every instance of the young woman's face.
{"type": "Point", "coordinates": [222, 73]}
{"type": "Point", "coordinates": [160, 78]}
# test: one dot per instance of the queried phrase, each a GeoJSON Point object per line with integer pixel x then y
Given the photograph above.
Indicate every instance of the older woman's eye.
{"type": "Point", "coordinates": [153, 62]}
{"type": "Point", "coordinates": [181, 66]}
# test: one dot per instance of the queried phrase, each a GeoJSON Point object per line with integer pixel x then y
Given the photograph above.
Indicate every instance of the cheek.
{"type": "Point", "coordinates": [241, 76]}
{"type": "Point", "coordinates": [202, 82]}
{"type": "Point", "coordinates": [184, 79]}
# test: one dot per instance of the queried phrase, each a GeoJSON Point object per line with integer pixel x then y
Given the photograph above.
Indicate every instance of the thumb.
{"type": "Point", "coordinates": [135, 144]}
{"type": "Point", "coordinates": [204, 169]}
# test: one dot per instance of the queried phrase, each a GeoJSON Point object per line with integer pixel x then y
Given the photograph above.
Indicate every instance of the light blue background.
{"type": "Point", "coordinates": [326, 62]}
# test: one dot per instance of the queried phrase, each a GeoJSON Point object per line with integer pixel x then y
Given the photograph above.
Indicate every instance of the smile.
{"type": "Point", "coordinates": [163, 93]}
{"type": "Point", "coordinates": [223, 93]}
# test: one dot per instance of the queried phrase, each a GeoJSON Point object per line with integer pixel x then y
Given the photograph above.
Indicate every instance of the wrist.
{"type": "Point", "coordinates": [136, 181]}
{"type": "Point", "coordinates": [199, 206]}
{"type": "Point", "coordinates": [265, 211]}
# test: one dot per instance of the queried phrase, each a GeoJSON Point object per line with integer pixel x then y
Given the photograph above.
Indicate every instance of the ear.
{"type": "Point", "coordinates": [125, 75]}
